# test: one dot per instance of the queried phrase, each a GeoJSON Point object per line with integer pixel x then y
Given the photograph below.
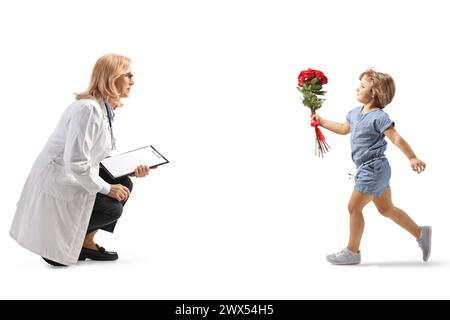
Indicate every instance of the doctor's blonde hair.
{"type": "Point", "coordinates": [106, 71]}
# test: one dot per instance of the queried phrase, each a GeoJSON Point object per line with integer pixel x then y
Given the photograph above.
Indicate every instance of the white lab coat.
{"type": "Point", "coordinates": [57, 199]}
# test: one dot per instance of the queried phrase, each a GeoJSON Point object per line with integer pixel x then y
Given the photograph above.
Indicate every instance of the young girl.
{"type": "Point", "coordinates": [368, 125]}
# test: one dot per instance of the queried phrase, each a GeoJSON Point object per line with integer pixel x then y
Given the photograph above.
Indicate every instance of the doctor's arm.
{"type": "Point", "coordinates": [416, 164]}
{"type": "Point", "coordinates": [83, 128]}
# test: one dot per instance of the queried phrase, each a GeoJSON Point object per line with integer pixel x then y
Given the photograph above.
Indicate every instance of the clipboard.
{"type": "Point", "coordinates": [124, 164]}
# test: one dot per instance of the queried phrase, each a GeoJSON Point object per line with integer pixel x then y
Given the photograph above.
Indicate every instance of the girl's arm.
{"type": "Point", "coordinates": [416, 164]}
{"type": "Point", "coordinates": [339, 128]}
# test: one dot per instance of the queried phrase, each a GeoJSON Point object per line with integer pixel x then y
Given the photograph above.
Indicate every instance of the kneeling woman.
{"type": "Point", "coordinates": [67, 198]}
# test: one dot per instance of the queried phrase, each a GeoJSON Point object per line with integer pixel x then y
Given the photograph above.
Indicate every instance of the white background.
{"type": "Point", "coordinates": [244, 210]}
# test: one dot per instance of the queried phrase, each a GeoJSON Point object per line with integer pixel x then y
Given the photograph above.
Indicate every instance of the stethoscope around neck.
{"type": "Point", "coordinates": [109, 113]}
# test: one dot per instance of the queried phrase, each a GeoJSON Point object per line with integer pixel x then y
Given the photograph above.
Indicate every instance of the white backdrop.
{"type": "Point", "coordinates": [244, 210]}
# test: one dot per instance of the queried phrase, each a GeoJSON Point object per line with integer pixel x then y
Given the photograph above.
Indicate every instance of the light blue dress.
{"type": "Point", "coordinates": [368, 146]}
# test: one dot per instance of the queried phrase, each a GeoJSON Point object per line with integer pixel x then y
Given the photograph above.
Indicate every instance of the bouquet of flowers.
{"type": "Point", "coordinates": [310, 84]}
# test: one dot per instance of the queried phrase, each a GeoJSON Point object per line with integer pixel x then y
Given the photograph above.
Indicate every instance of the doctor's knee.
{"type": "Point", "coordinates": [126, 181]}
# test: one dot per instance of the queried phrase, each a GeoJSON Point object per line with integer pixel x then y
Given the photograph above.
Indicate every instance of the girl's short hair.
{"type": "Point", "coordinates": [383, 87]}
{"type": "Point", "coordinates": [106, 71]}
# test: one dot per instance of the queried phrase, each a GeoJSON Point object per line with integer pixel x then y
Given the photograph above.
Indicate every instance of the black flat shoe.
{"type": "Point", "coordinates": [100, 255]}
{"type": "Point", "coordinates": [53, 263]}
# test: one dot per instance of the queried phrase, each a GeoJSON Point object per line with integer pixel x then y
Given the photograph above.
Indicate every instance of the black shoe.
{"type": "Point", "coordinates": [53, 263]}
{"type": "Point", "coordinates": [100, 255]}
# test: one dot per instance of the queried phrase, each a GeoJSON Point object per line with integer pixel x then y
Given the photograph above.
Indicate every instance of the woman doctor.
{"type": "Point", "coordinates": [67, 198]}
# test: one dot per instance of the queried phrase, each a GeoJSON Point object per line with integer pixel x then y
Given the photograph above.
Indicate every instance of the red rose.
{"type": "Point", "coordinates": [306, 76]}
{"type": "Point", "coordinates": [323, 79]}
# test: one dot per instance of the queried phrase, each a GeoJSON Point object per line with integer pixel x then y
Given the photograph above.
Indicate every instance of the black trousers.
{"type": "Point", "coordinates": [107, 210]}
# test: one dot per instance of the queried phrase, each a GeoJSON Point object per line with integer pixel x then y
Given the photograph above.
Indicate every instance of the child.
{"type": "Point", "coordinates": [368, 125]}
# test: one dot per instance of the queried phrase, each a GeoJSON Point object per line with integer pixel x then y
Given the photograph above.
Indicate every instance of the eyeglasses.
{"type": "Point", "coordinates": [128, 75]}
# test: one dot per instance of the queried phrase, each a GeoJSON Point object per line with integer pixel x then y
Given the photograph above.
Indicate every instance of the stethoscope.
{"type": "Point", "coordinates": [109, 112]}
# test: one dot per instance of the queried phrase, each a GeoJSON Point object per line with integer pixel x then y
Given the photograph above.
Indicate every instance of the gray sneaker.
{"type": "Point", "coordinates": [425, 242]}
{"type": "Point", "coordinates": [344, 257]}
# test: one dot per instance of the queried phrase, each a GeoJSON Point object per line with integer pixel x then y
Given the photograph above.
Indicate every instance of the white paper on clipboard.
{"type": "Point", "coordinates": [125, 163]}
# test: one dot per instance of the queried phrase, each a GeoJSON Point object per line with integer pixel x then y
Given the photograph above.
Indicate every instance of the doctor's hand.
{"type": "Point", "coordinates": [141, 171]}
{"type": "Point", "coordinates": [119, 192]}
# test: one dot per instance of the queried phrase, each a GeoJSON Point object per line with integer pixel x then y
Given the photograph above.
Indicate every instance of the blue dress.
{"type": "Point", "coordinates": [368, 146]}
